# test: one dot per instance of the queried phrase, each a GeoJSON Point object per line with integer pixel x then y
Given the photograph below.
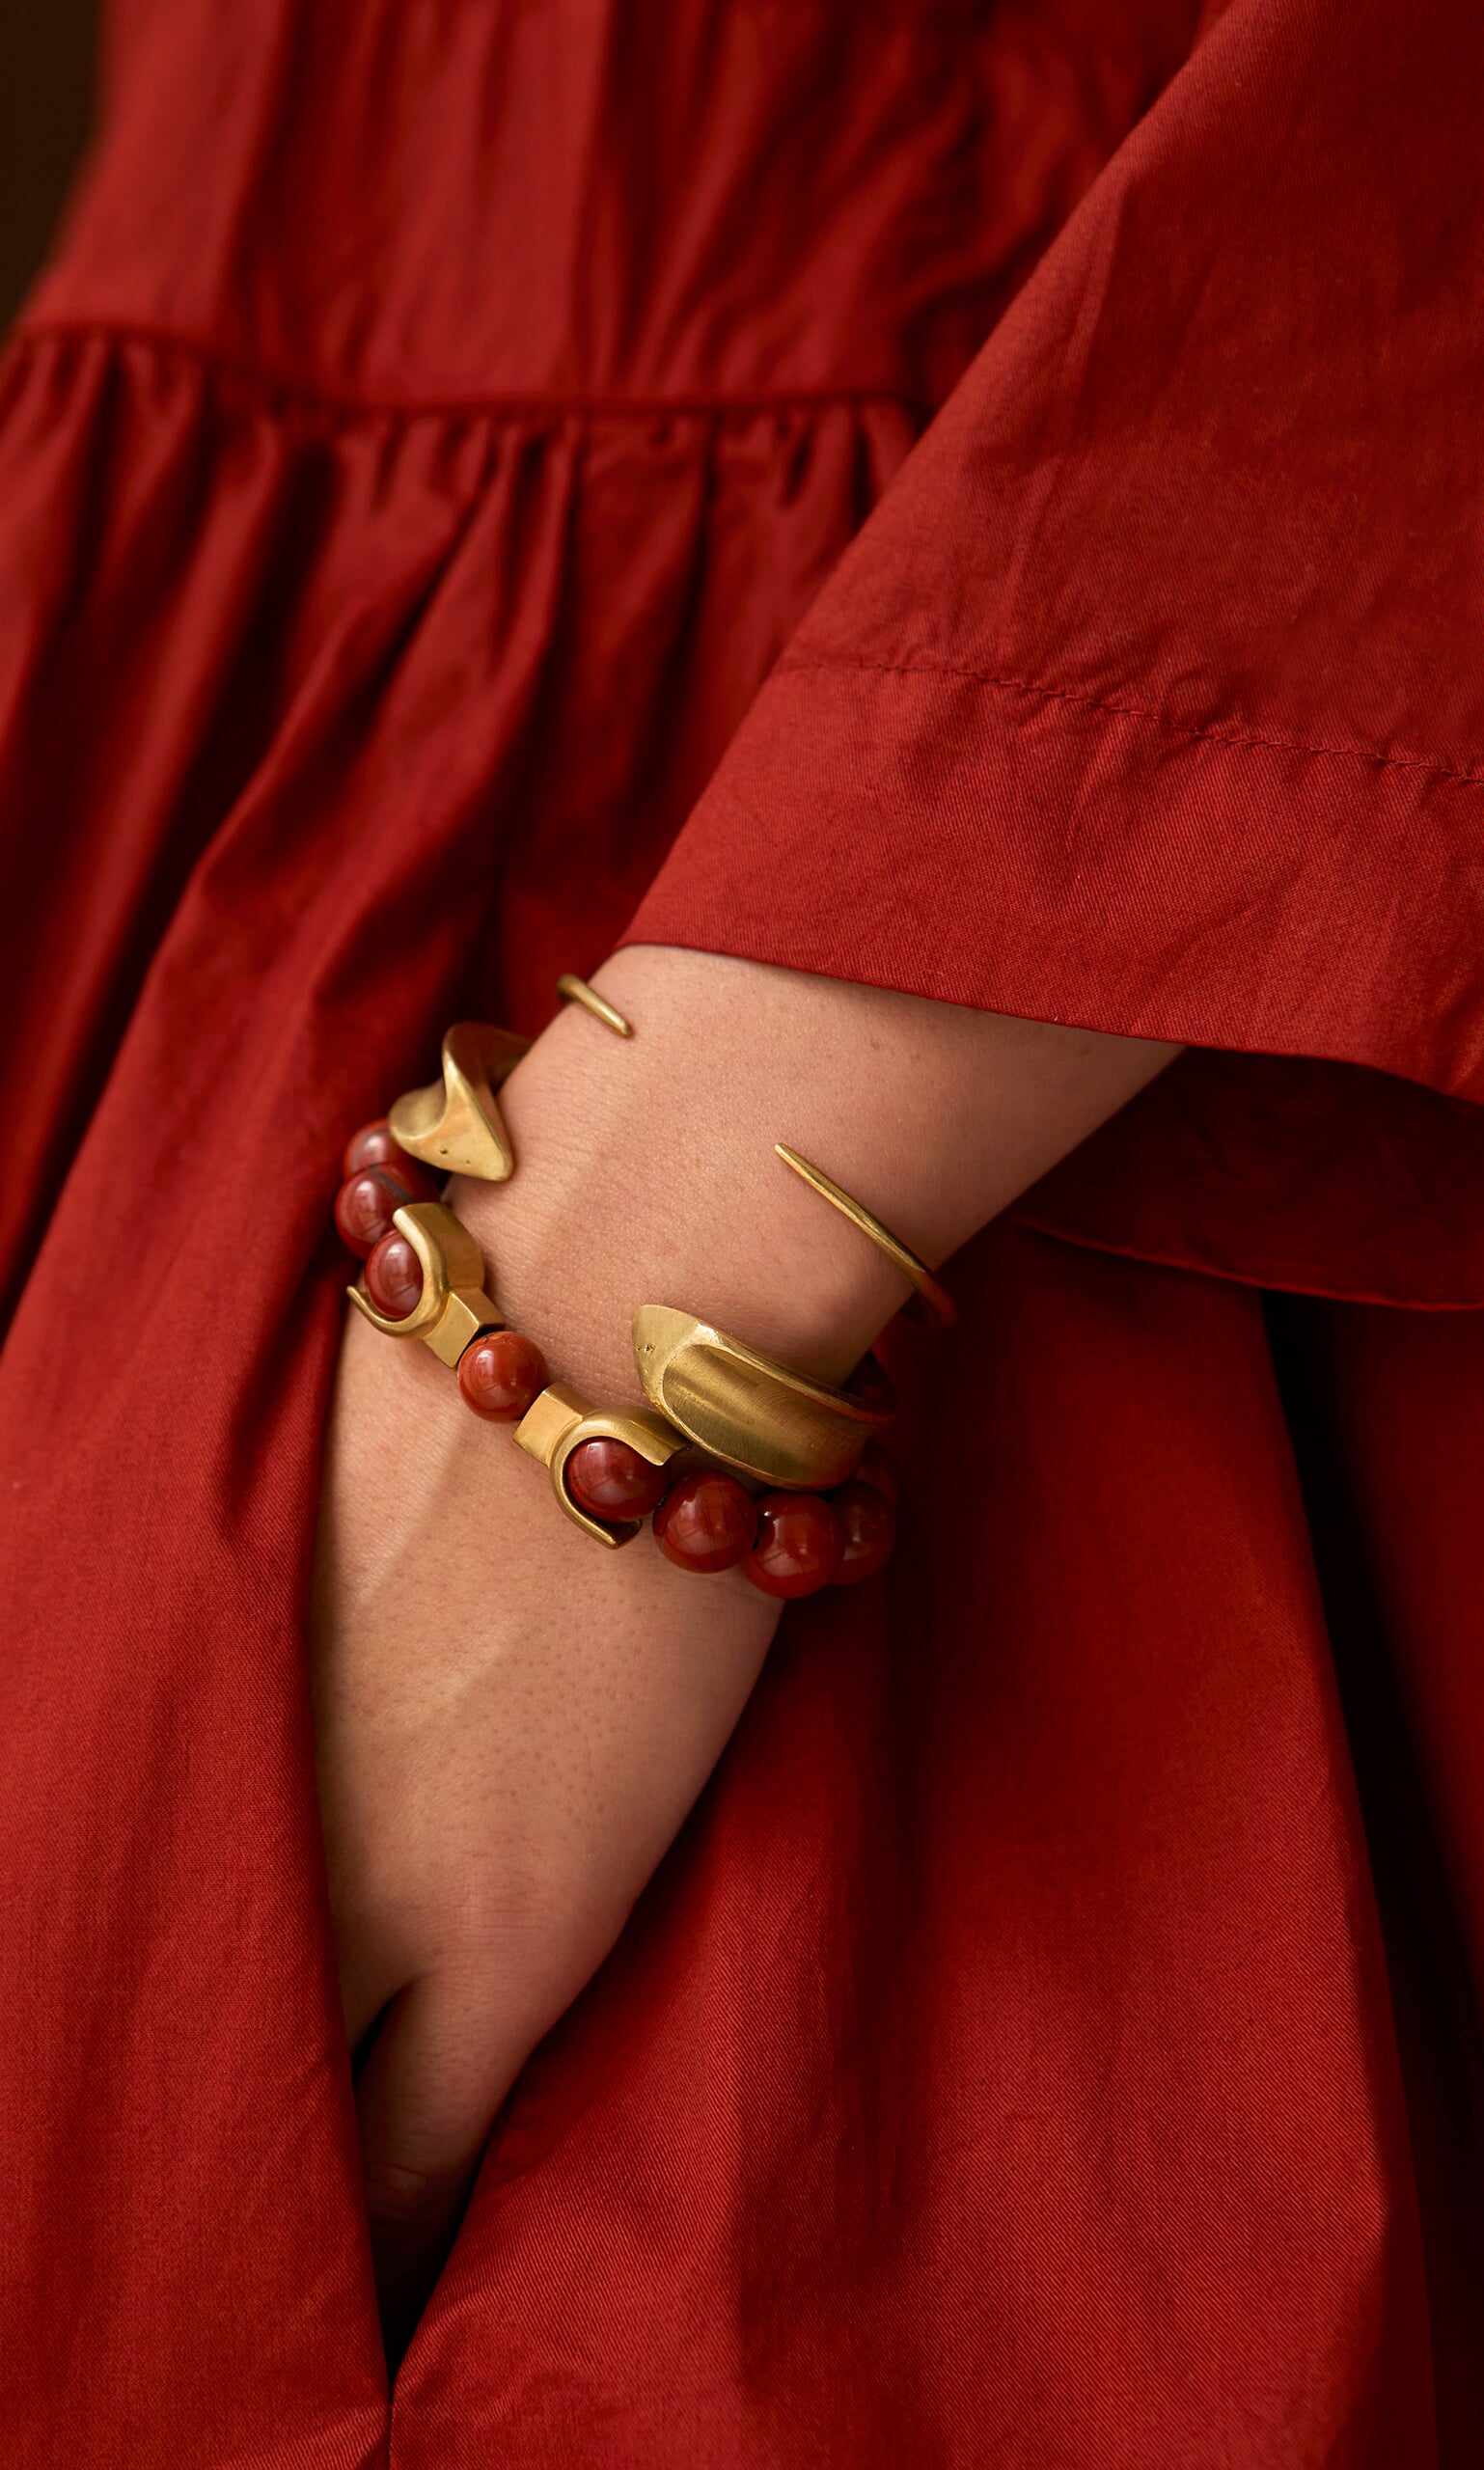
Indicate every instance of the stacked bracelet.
{"type": "Point", "coordinates": [424, 1277]}
{"type": "Point", "coordinates": [739, 1462]}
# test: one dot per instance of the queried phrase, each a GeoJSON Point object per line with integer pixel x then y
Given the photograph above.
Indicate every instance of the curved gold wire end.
{"type": "Point", "coordinates": [455, 1125]}
{"type": "Point", "coordinates": [576, 990]}
{"type": "Point", "coordinates": [931, 1299]}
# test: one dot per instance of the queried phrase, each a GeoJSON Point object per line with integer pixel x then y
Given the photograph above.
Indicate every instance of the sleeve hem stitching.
{"type": "Point", "coordinates": [1251, 739]}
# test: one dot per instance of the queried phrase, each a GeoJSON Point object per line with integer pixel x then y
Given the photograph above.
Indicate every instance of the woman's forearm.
{"type": "Point", "coordinates": [647, 1171]}
{"type": "Point", "coordinates": [510, 1724]}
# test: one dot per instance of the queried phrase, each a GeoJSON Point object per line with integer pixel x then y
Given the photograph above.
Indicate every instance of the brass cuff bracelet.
{"type": "Point", "coordinates": [767, 1420]}
{"type": "Point", "coordinates": [931, 1300]}
{"type": "Point", "coordinates": [454, 1127]}
{"type": "Point", "coordinates": [798, 1441]}
{"type": "Point", "coordinates": [738, 1406]}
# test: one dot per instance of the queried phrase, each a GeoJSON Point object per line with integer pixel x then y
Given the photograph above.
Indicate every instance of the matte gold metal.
{"type": "Point", "coordinates": [548, 1418]}
{"type": "Point", "coordinates": [454, 1124]}
{"type": "Point", "coordinates": [760, 1416]}
{"type": "Point", "coordinates": [561, 1420]}
{"type": "Point", "coordinates": [931, 1300]}
{"type": "Point", "coordinates": [453, 1307]}
{"type": "Point", "coordinates": [576, 990]}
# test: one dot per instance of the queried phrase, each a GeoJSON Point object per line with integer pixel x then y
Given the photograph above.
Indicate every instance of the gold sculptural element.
{"type": "Point", "coordinates": [455, 1125]}
{"type": "Point", "coordinates": [931, 1300]}
{"type": "Point", "coordinates": [576, 990]}
{"type": "Point", "coordinates": [453, 1307]}
{"type": "Point", "coordinates": [562, 1419]}
{"type": "Point", "coordinates": [759, 1417]}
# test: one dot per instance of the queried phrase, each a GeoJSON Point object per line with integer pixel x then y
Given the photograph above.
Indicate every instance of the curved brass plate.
{"type": "Point", "coordinates": [758, 1416]}
{"type": "Point", "coordinates": [454, 1124]}
{"type": "Point", "coordinates": [453, 1307]}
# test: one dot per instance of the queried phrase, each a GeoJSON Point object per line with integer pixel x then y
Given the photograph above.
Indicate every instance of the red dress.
{"type": "Point", "coordinates": [1056, 2039]}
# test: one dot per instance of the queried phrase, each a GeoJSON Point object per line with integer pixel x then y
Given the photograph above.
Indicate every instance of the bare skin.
{"type": "Point", "coordinates": [511, 1724]}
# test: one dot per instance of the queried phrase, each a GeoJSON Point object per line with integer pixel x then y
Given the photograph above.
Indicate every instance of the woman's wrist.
{"type": "Point", "coordinates": [647, 1173]}
{"type": "Point", "coordinates": [639, 1185]}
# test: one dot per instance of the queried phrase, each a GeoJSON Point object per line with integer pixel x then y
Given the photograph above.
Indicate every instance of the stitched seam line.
{"type": "Point", "coordinates": [293, 391]}
{"type": "Point", "coordinates": [1139, 712]}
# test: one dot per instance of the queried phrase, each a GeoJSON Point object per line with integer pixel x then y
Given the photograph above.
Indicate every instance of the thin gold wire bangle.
{"type": "Point", "coordinates": [576, 990]}
{"type": "Point", "coordinates": [935, 1298]}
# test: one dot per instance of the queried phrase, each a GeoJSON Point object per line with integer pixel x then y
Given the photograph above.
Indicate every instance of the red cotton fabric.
{"type": "Point", "coordinates": [1056, 2038]}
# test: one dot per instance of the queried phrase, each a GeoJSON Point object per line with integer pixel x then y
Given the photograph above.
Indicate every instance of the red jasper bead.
{"type": "Point", "coordinates": [362, 1210]}
{"type": "Point", "coordinates": [879, 1470]}
{"type": "Point", "coordinates": [798, 1545]}
{"type": "Point", "coordinates": [417, 1181]}
{"type": "Point", "coordinates": [374, 1146]}
{"type": "Point", "coordinates": [609, 1479]}
{"type": "Point", "coordinates": [363, 1205]}
{"type": "Point", "coordinates": [867, 1525]}
{"type": "Point", "coordinates": [706, 1523]}
{"type": "Point", "coordinates": [501, 1375]}
{"type": "Point", "coordinates": [393, 1278]}
{"type": "Point", "coordinates": [371, 1146]}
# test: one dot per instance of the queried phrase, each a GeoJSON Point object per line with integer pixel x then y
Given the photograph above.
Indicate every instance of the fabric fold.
{"type": "Point", "coordinates": [1148, 699]}
{"type": "Point", "coordinates": [425, 444]}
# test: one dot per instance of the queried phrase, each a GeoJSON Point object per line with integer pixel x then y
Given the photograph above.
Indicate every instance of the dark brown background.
{"type": "Point", "coordinates": [45, 106]}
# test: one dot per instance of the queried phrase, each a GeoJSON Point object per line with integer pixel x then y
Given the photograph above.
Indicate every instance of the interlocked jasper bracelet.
{"type": "Point", "coordinates": [741, 1461]}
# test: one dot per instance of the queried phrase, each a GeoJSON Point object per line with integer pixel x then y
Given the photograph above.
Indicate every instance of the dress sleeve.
{"type": "Point", "coordinates": [1152, 696]}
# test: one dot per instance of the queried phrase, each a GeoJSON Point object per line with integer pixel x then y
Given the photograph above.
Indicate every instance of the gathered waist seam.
{"type": "Point", "coordinates": [290, 392]}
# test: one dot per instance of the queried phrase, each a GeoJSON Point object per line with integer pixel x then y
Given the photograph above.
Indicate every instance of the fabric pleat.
{"type": "Point", "coordinates": [1055, 2038]}
{"type": "Point", "coordinates": [1175, 1981]}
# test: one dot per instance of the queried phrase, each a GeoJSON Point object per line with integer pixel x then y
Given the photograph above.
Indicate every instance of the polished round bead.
{"type": "Point", "coordinates": [371, 1146]}
{"type": "Point", "coordinates": [364, 1207]}
{"type": "Point", "coordinates": [374, 1146]}
{"type": "Point", "coordinates": [393, 1278]}
{"type": "Point", "coordinates": [706, 1523]}
{"type": "Point", "coordinates": [867, 1525]}
{"type": "Point", "coordinates": [609, 1479]}
{"type": "Point", "coordinates": [502, 1375]}
{"type": "Point", "coordinates": [798, 1545]}
{"type": "Point", "coordinates": [880, 1471]}
{"type": "Point", "coordinates": [364, 1203]}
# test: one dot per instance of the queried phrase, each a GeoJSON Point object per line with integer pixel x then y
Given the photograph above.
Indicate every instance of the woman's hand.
{"type": "Point", "coordinates": [511, 1723]}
